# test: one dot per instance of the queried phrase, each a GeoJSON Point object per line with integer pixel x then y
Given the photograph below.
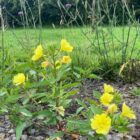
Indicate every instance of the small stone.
{"type": "Point", "coordinates": [128, 137]}
{"type": "Point", "coordinates": [39, 138]}
{"type": "Point", "coordinates": [109, 137]}
{"type": "Point", "coordinates": [11, 131]}
{"type": "Point", "coordinates": [2, 129]}
{"type": "Point", "coordinates": [8, 126]}
{"type": "Point", "coordinates": [36, 138]}
{"type": "Point", "coordinates": [13, 137]}
{"type": "Point", "coordinates": [24, 137]}
{"type": "Point", "coordinates": [118, 137]}
{"type": "Point", "coordinates": [32, 132]}
{"type": "Point", "coordinates": [2, 135]}
{"type": "Point", "coordinates": [7, 139]}
{"type": "Point", "coordinates": [6, 117]}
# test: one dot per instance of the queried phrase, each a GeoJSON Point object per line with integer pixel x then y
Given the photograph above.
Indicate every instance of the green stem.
{"type": "Point", "coordinates": [2, 43]}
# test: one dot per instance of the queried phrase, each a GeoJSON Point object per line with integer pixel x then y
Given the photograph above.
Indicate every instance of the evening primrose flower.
{"type": "Point", "coordinates": [112, 108]}
{"type": "Point", "coordinates": [65, 46]}
{"type": "Point", "coordinates": [45, 64]}
{"type": "Point", "coordinates": [38, 53]}
{"type": "Point", "coordinates": [101, 123]}
{"type": "Point", "coordinates": [128, 112]}
{"type": "Point", "coordinates": [66, 59]}
{"type": "Point", "coordinates": [19, 79]}
{"type": "Point", "coordinates": [108, 88]}
{"type": "Point", "coordinates": [106, 99]}
{"type": "Point", "coordinates": [60, 110]}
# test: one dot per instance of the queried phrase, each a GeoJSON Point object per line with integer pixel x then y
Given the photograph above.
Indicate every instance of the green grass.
{"type": "Point", "coordinates": [19, 42]}
{"type": "Point", "coordinates": [30, 37]}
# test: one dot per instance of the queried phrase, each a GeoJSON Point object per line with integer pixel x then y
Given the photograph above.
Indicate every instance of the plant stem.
{"type": "Point", "coordinates": [2, 43]}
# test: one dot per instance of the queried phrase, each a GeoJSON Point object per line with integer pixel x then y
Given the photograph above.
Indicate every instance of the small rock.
{"type": "Point", "coordinates": [13, 137]}
{"type": "Point", "coordinates": [32, 132]}
{"type": "Point", "coordinates": [109, 137]}
{"type": "Point", "coordinates": [128, 137]}
{"type": "Point", "coordinates": [7, 139]}
{"type": "Point", "coordinates": [2, 129]}
{"type": "Point", "coordinates": [39, 138]}
{"type": "Point", "coordinates": [6, 117]}
{"type": "Point", "coordinates": [11, 131]}
{"type": "Point", "coordinates": [24, 137]}
{"type": "Point", "coordinates": [116, 137]}
{"type": "Point", "coordinates": [2, 135]}
{"type": "Point", "coordinates": [36, 138]}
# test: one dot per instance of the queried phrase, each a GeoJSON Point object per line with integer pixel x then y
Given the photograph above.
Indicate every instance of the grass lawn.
{"type": "Point", "coordinates": [81, 38]}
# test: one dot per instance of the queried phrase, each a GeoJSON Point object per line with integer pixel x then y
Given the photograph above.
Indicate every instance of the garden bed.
{"type": "Point", "coordinates": [7, 131]}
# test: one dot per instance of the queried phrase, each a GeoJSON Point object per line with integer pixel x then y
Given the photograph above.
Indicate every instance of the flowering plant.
{"type": "Point", "coordinates": [100, 116]}
{"type": "Point", "coordinates": [41, 91]}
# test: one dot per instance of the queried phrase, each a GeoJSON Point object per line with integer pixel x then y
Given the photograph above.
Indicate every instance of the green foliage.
{"type": "Point", "coordinates": [58, 12]}
{"type": "Point", "coordinates": [80, 123]}
{"type": "Point", "coordinates": [45, 93]}
{"type": "Point", "coordinates": [135, 92]}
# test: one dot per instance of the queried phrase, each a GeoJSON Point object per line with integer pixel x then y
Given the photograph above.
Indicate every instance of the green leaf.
{"type": "Point", "coordinates": [96, 109]}
{"type": "Point", "coordinates": [91, 101]}
{"type": "Point", "coordinates": [12, 98]}
{"type": "Point", "coordinates": [26, 113]}
{"type": "Point", "coordinates": [71, 85]}
{"type": "Point", "coordinates": [43, 113]}
{"type": "Point", "coordinates": [94, 76]}
{"type": "Point", "coordinates": [135, 92]}
{"type": "Point", "coordinates": [96, 94]}
{"type": "Point", "coordinates": [2, 93]}
{"type": "Point", "coordinates": [117, 98]}
{"type": "Point", "coordinates": [19, 129]}
{"type": "Point", "coordinates": [82, 126]}
{"type": "Point", "coordinates": [37, 84]}
{"type": "Point", "coordinates": [79, 110]}
{"type": "Point", "coordinates": [71, 93]}
{"type": "Point", "coordinates": [81, 103]}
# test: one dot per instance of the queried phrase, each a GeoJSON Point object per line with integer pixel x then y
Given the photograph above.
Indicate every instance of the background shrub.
{"type": "Point", "coordinates": [51, 11]}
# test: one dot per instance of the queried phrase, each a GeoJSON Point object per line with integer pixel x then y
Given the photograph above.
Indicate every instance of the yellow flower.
{"type": "Point", "coordinates": [60, 110]}
{"type": "Point", "coordinates": [45, 64]}
{"type": "Point", "coordinates": [112, 108]}
{"type": "Point", "coordinates": [38, 53]}
{"type": "Point", "coordinates": [19, 79]}
{"type": "Point", "coordinates": [128, 112]}
{"type": "Point", "coordinates": [106, 99]}
{"type": "Point", "coordinates": [65, 46]}
{"type": "Point", "coordinates": [101, 123]}
{"type": "Point", "coordinates": [58, 64]}
{"type": "Point", "coordinates": [108, 88]}
{"type": "Point", "coordinates": [66, 59]}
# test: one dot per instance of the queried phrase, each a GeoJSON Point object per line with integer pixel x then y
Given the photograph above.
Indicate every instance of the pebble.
{"type": "Point", "coordinates": [32, 132]}
{"type": "Point", "coordinates": [36, 138]}
{"type": "Point", "coordinates": [13, 137]}
{"type": "Point", "coordinates": [2, 136]}
{"type": "Point", "coordinates": [7, 139]}
{"type": "Point", "coordinates": [11, 131]}
{"type": "Point", "coordinates": [24, 137]}
{"type": "Point", "coordinates": [2, 129]}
